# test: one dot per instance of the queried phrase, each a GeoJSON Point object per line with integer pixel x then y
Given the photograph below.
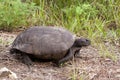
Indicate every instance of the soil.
{"type": "Point", "coordinates": [89, 67]}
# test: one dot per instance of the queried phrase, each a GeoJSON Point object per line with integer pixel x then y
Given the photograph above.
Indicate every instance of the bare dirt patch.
{"type": "Point", "coordinates": [90, 67]}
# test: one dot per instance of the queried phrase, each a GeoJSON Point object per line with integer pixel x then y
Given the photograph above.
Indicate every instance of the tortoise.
{"type": "Point", "coordinates": [48, 43]}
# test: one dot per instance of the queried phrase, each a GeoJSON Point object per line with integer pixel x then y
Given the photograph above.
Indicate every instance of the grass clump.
{"type": "Point", "coordinates": [14, 14]}
{"type": "Point", "coordinates": [86, 18]}
{"type": "Point", "coordinates": [105, 53]}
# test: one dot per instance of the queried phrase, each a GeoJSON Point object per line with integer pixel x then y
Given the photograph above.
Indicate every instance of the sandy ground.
{"type": "Point", "coordinates": [90, 67]}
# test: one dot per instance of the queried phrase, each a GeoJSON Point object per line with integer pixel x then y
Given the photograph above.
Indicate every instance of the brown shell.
{"type": "Point", "coordinates": [44, 42]}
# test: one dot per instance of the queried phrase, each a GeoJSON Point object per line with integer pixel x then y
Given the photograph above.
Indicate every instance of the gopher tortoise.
{"type": "Point", "coordinates": [47, 43]}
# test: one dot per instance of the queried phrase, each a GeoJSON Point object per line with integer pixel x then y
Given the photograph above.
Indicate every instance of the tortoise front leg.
{"type": "Point", "coordinates": [69, 56]}
{"type": "Point", "coordinates": [77, 52]}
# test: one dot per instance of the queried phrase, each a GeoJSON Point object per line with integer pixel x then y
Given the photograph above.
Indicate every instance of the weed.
{"type": "Point", "coordinates": [104, 52]}
{"type": "Point", "coordinates": [14, 13]}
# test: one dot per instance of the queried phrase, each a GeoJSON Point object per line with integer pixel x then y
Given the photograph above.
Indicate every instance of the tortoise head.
{"type": "Point", "coordinates": [80, 42]}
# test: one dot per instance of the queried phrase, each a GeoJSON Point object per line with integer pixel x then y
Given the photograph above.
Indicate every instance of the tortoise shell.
{"type": "Point", "coordinates": [44, 42]}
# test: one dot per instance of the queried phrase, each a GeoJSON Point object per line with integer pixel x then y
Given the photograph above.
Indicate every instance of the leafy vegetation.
{"type": "Point", "coordinates": [88, 18]}
{"type": "Point", "coordinates": [14, 13]}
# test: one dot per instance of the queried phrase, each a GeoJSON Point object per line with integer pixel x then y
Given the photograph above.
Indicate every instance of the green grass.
{"type": "Point", "coordinates": [84, 18]}
{"type": "Point", "coordinates": [15, 14]}
{"type": "Point", "coordinates": [105, 52]}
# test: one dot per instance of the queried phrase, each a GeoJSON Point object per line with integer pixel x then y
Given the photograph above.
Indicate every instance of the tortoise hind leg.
{"type": "Point", "coordinates": [21, 56]}
{"type": "Point", "coordinates": [26, 59]}
{"type": "Point", "coordinates": [13, 51]}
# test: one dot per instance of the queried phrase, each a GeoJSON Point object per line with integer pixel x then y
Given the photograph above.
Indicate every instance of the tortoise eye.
{"type": "Point", "coordinates": [87, 40]}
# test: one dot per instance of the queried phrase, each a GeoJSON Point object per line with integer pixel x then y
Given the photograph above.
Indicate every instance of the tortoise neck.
{"type": "Point", "coordinates": [76, 45]}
